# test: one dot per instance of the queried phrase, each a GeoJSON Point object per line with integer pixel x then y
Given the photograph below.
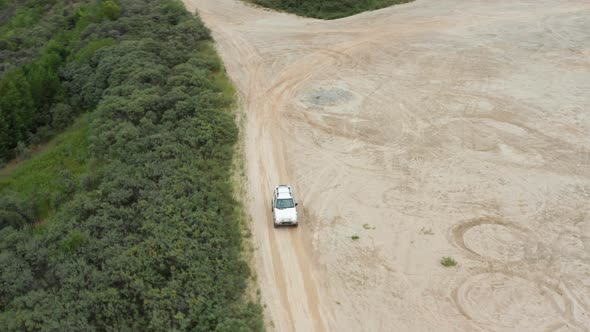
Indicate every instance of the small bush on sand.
{"type": "Point", "coordinates": [448, 261]}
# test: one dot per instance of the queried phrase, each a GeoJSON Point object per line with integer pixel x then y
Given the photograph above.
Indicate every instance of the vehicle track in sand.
{"type": "Point", "coordinates": [430, 129]}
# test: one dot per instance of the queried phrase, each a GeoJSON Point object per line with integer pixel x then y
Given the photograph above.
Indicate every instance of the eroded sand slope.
{"type": "Point", "coordinates": [436, 128]}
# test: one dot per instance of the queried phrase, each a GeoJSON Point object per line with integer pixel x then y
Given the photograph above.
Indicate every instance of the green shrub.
{"type": "Point", "coordinates": [22, 151]}
{"type": "Point", "coordinates": [448, 261]}
{"type": "Point", "coordinates": [72, 242]}
{"type": "Point", "coordinates": [26, 17]}
{"type": "Point", "coordinates": [62, 116]}
{"type": "Point", "coordinates": [327, 9]}
{"type": "Point", "coordinates": [109, 9]}
{"type": "Point", "coordinates": [85, 54]}
{"type": "Point", "coordinates": [44, 85]}
{"type": "Point", "coordinates": [15, 211]}
{"type": "Point", "coordinates": [16, 110]}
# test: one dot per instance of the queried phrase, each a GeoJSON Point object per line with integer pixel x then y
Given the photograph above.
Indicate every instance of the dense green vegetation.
{"type": "Point", "coordinates": [36, 42]}
{"type": "Point", "coordinates": [126, 220]}
{"type": "Point", "coordinates": [327, 9]}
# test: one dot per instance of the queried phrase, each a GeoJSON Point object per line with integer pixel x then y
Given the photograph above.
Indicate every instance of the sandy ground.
{"type": "Point", "coordinates": [436, 128]}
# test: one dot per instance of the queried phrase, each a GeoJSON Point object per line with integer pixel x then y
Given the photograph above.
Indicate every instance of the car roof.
{"type": "Point", "coordinates": [284, 191]}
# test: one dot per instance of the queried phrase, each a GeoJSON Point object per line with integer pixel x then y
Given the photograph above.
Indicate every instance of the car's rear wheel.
{"type": "Point", "coordinates": [275, 225]}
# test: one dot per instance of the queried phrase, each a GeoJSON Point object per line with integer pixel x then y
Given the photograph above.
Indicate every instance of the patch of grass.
{"type": "Point", "coordinates": [72, 242]}
{"type": "Point", "coordinates": [448, 261]}
{"type": "Point", "coordinates": [219, 78]}
{"type": "Point", "coordinates": [367, 226]}
{"type": "Point", "coordinates": [54, 172]}
{"type": "Point", "coordinates": [355, 237]}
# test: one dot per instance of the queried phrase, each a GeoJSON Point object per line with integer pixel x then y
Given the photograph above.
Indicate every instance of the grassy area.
{"type": "Point", "coordinates": [219, 78]}
{"type": "Point", "coordinates": [327, 9]}
{"type": "Point", "coordinates": [52, 173]}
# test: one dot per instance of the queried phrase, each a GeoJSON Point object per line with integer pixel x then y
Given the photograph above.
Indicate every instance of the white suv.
{"type": "Point", "coordinates": [284, 207]}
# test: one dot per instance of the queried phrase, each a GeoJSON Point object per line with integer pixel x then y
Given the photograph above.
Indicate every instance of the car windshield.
{"type": "Point", "coordinates": [285, 203]}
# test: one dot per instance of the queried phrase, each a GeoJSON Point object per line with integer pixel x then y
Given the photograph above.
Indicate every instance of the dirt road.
{"type": "Point", "coordinates": [436, 128]}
